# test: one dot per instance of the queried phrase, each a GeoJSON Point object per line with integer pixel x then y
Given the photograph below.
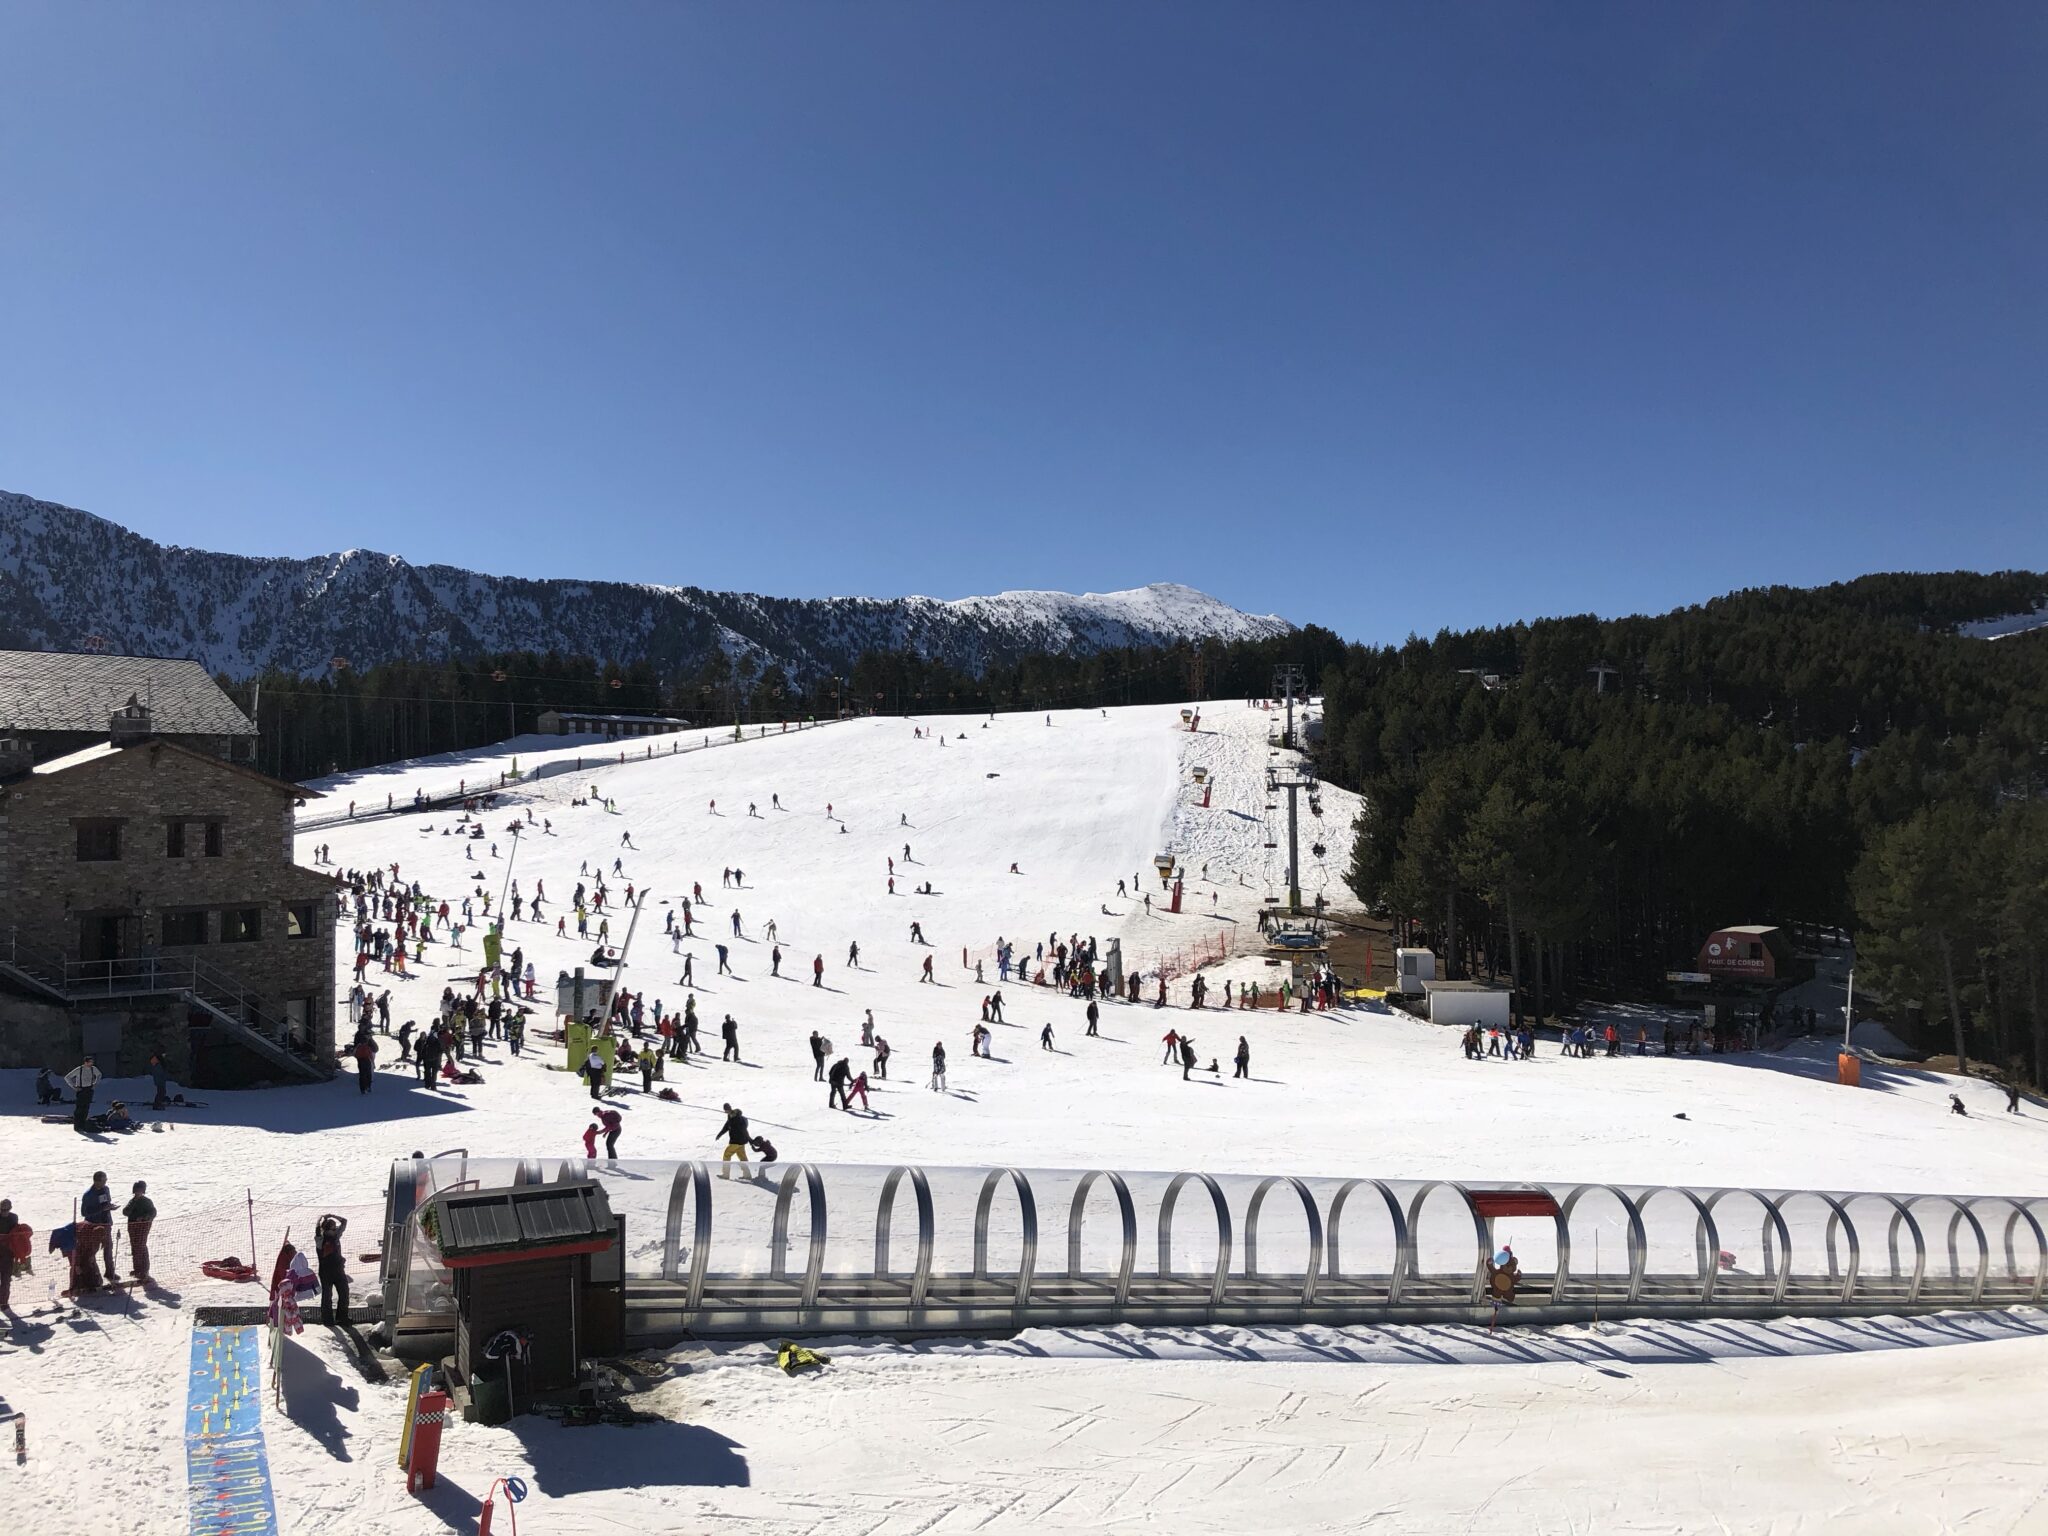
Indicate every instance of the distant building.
{"type": "Point", "coordinates": [151, 905]}
{"type": "Point", "coordinates": [54, 702]}
{"type": "Point", "coordinates": [572, 722]}
{"type": "Point", "coordinates": [1467, 1002]}
{"type": "Point", "coordinates": [1747, 952]}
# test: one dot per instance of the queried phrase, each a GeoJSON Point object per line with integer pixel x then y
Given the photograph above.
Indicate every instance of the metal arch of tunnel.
{"type": "Point", "coordinates": [2022, 1210]}
{"type": "Point", "coordinates": [1779, 1272]}
{"type": "Point", "coordinates": [1027, 1210]}
{"type": "Point", "coordinates": [1394, 1215]}
{"type": "Point", "coordinates": [1482, 1240]}
{"type": "Point", "coordinates": [1638, 1243]}
{"type": "Point", "coordinates": [693, 1179]}
{"type": "Point", "coordinates": [1219, 1282]}
{"type": "Point", "coordinates": [1848, 1226]}
{"type": "Point", "coordinates": [1127, 1211]}
{"type": "Point", "coordinates": [927, 1229]}
{"type": "Point", "coordinates": [778, 1255]}
{"type": "Point", "coordinates": [1315, 1234]}
{"type": "Point", "coordinates": [1706, 1235]}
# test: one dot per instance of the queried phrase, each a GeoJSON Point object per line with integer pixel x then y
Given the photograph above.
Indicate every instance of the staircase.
{"type": "Point", "coordinates": [231, 1006]}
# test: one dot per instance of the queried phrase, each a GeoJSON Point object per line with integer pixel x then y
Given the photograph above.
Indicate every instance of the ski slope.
{"type": "Point", "coordinates": [902, 1441]}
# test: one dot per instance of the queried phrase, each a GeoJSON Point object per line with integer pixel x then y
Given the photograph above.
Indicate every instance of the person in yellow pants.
{"type": "Point", "coordinates": [735, 1132]}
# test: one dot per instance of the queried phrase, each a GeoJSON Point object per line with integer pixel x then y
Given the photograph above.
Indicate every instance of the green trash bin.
{"type": "Point", "coordinates": [489, 1400]}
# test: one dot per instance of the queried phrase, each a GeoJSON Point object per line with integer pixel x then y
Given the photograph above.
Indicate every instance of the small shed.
{"type": "Point", "coordinates": [1464, 1003]}
{"type": "Point", "coordinates": [1413, 967]}
{"type": "Point", "coordinates": [1747, 952]}
{"type": "Point", "coordinates": [521, 1259]}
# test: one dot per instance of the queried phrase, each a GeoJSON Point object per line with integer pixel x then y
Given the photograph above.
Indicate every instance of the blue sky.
{"type": "Point", "coordinates": [1386, 317]}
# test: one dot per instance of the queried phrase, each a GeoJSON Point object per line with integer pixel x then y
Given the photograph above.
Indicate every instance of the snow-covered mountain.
{"type": "Point", "coordinates": [69, 580]}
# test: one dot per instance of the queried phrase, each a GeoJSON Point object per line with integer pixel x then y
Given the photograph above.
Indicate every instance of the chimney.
{"type": "Point", "coordinates": [17, 755]}
{"type": "Point", "coordinates": [129, 723]}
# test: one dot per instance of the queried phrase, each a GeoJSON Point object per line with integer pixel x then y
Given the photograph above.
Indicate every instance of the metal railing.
{"type": "Point", "coordinates": [1000, 1249]}
{"type": "Point", "coordinates": [228, 1000]}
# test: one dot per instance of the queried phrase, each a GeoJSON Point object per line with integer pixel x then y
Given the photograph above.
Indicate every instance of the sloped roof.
{"type": "Point", "coordinates": [77, 691]}
{"type": "Point", "coordinates": [99, 751]}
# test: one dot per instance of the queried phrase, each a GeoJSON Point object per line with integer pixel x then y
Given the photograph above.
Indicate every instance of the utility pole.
{"type": "Point", "coordinates": [1287, 681]}
{"type": "Point", "coordinates": [1293, 780]}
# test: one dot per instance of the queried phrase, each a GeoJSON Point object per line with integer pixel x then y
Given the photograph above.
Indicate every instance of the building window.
{"type": "Point", "coordinates": [213, 839]}
{"type": "Point", "coordinates": [174, 839]}
{"type": "Point", "coordinates": [99, 840]}
{"type": "Point", "coordinates": [187, 927]}
{"type": "Point", "coordinates": [302, 920]}
{"type": "Point", "coordinates": [241, 925]}
{"type": "Point", "coordinates": [298, 1020]}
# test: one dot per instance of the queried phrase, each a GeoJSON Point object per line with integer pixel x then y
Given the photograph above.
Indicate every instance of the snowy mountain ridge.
{"type": "Point", "coordinates": [70, 580]}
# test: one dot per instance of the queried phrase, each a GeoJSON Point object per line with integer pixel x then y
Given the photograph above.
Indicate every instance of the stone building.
{"type": "Point", "coordinates": [55, 702]}
{"type": "Point", "coordinates": [149, 903]}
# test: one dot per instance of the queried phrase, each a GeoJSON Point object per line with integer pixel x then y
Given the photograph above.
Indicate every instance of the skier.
{"type": "Point", "coordinates": [881, 1068]}
{"type": "Point", "coordinates": [724, 966]}
{"type": "Point", "coordinates": [817, 970]}
{"type": "Point", "coordinates": [853, 955]}
{"type": "Point", "coordinates": [927, 976]}
{"type": "Point", "coordinates": [689, 978]}
{"type": "Point", "coordinates": [1244, 1059]}
{"type": "Point", "coordinates": [775, 961]}
{"type": "Point", "coordinates": [730, 1033]}
{"type": "Point", "coordinates": [613, 1123]}
{"type": "Point", "coordinates": [1187, 1057]}
{"type": "Point", "coordinates": [1172, 1039]}
{"type": "Point", "coordinates": [916, 933]}
{"type": "Point", "coordinates": [1094, 1017]}
{"type": "Point", "coordinates": [858, 1089]}
{"type": "Point", "coordinates": [1045, 1037]}
{"type": "Point", "coordinates": [817, 1057]}
{"type": "Point", "coordinates": [835, 1096]}
{"type": "Point", "coordinates": [938, 1082]}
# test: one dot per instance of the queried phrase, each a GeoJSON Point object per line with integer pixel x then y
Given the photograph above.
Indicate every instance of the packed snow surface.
{"type": "Point", "coordinates": [2006, 624]}
{"type": "Point", "coordinates": [1847, 1427]}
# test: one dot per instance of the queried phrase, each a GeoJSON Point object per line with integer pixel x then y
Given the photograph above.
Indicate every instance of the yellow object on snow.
{"type": "Point", "coordinates": [794, 1357]}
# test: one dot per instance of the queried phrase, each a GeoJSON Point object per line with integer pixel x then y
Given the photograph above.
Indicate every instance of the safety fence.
{"type": "Point", "coordinates": [505, 783]}
{"type": "Point", "coordinates": [727, 1248]}
{"type": "Point", "coordinates": [1173, 964]}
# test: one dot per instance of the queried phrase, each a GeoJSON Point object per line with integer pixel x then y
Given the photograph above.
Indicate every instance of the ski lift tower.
{"type": "Point", "coordinates": [1287, 682]}
{"type": "Point", "coordinates": [1292, 780]}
